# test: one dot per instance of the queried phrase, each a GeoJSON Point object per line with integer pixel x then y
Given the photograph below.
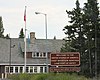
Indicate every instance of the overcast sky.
{"type": "Point", "coordinates": [12, 12]}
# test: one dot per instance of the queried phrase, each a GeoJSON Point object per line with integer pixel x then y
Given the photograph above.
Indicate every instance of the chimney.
{"type": "Point", "coordinates": [54, 37]}
{"type": "Point", "coordinates": [32, 37]}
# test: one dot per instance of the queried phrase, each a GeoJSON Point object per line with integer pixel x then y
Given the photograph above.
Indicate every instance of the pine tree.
{"type": "Point", "coordinates": [1, 28]}
{"type": "Point", "coordinates": [92, 30]}
{"type": "Point", "coordinates": [21, 35]}
{"type": "Point", "coordinates": [74, 31]}
{"type": "Point", "coordinates": [83, 35]}
{"type": "Point", "coordinates": [75, 34]}
{"type": "Point", "coordinates": [7, 36]}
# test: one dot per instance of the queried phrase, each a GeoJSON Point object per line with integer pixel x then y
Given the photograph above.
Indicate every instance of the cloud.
{"type": "Point", "coordinates": [13, 12]}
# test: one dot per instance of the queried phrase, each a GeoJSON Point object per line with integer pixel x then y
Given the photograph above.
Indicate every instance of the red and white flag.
{"type": "Point", "coordinates": [25, 14]}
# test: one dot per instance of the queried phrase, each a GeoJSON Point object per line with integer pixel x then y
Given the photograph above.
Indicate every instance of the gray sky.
{"type": "Point", "coordinates": [12, 12]}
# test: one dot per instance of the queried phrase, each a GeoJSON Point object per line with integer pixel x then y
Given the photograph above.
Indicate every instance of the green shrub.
{"type": "Point", "coordinates": [20, 76]}
{"type": "Point", "coordinates": [24, 76]}
{"type": "Point", "coordinates": [41, 77]}
{"type": "Point", "coordinates": [14, 77]}
{"type": "Point", "coordinates": [49, 76]}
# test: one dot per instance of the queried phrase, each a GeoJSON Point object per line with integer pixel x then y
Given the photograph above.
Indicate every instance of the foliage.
{"type": "Point", "coordinates": [83, 35]}
{"type": "Point", "coordinates": [74, 31]}
{"type": "Point", "coordinates": [20, 76]}
{"type": "Point", "coordinates": [50, 76]}
{"type": "Point", "coordinates": [66, 47]}
{"type": "Point", "coordinates": [7, 36]}
{"type": "Point", "coordinates": [21, 35]}
{"type": "Point", "coordinates": [1, 28]}
{"type": "Point", "coordinates": [92, 30]}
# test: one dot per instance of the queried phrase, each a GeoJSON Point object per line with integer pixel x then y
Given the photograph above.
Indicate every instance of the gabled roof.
{"type": "Point", "coordinates": [10, 54]}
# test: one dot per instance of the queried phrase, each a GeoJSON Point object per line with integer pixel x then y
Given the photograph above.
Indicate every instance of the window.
{"type": "Point", "coordinates": [31, 69]}
{"type": "Point", "coordinates": [35, 69]}
{"type": "Point", "coordinates": [34, 54]}
{"type": "Point", "coordinates": [44, 54]}
{"type": "Point", "coordinates": [45, 70]}
{"type": "Point", "coordinates": [21, 69]}
{"type": "Point", "coordinates": [27, 69]}
{"type": "Point", "coordinates": [40, 54]}
{"type": "Point", "coordinates": [41, 69]}
{"type": "Point", "coordinates": [37, 54]}
{"type": "Point", "coordinates": [11, 69]}
{"type": "Point", "coordinates": [16, 69]}
{"type": "Point", "coordinates": [7, 69]}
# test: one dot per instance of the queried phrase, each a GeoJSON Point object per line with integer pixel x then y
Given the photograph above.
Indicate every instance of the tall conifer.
{"type": "Point", "coordinates": [1, 28]}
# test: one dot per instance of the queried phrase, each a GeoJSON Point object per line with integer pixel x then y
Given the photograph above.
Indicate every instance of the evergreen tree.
{"type": "Point", "coordinates": [75, 34]}
{"type": "Point", "coordinates": [74, 31]}
{"type": "Point", "coordinates": [92, 30]}
{"type": "Point", "coordinates": [7, 36]}
{"type": "Point", "coordinates": [21, 35]}
{"type": "Point", "coordinates": [83, 35]}
{"type": "Point", "coordinates": [1, 28]}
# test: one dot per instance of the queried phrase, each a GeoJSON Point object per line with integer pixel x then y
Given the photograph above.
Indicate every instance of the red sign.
{"type": "Point", "coordinates": [65, 59]}
{"type": "Point", "coordinates": [64, 69]}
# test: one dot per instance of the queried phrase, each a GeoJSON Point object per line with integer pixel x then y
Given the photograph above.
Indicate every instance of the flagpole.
{"type": "Point", "coordinates": [25, 41]}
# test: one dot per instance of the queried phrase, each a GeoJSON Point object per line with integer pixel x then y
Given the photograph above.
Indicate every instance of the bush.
{"type": "Point", "coordinates": [39, 77]}
{"type": "Point", "coordinates": [20, 77]}
{"type": "Point", "coordinates": [49, 76]}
